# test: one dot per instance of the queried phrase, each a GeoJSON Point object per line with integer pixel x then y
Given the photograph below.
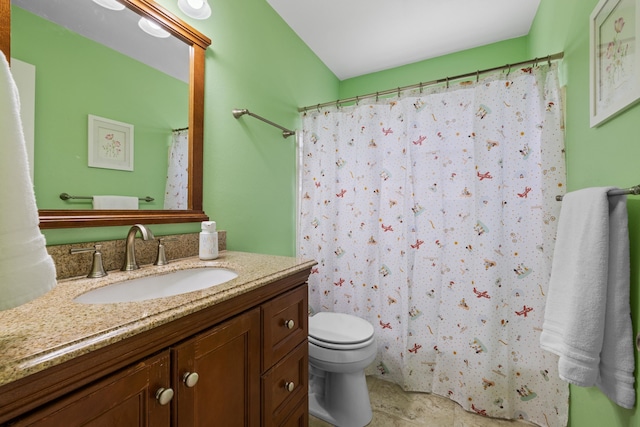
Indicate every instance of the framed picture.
{"type": "Point", "coordinates": [110, 144]}
{"type": "Point", "coordinates": [614, 58]}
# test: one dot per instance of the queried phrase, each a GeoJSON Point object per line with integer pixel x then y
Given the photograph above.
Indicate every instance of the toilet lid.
{"type": "Point", "coordinates": [339, 328]}
{"type": "Point", "coordinates": [334, 346]}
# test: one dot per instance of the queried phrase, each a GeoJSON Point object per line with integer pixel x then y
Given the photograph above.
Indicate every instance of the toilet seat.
{"type": "Point", "coordinates": [339, 331]}
{"type": "Point", "coordinates": [334, 346]}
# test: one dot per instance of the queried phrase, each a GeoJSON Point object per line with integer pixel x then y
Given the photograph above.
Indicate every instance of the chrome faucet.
{"type": "Point", "coordinates": [130, 246]}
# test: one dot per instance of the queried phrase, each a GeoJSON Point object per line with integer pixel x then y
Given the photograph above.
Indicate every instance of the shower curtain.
{"type": "Point", "coordinates": [433, 215]}
{"type": "Point", "coordinates": [175, 195]}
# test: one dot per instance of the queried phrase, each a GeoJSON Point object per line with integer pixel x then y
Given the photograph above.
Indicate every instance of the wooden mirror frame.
{"type": "Point", "coordinates": [58, 218]}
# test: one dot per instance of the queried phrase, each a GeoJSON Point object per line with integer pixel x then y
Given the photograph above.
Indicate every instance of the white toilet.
{"type": "Point", "coordinates": [340, 347]}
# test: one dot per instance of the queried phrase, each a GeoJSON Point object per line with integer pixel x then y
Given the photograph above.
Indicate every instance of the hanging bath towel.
{"type": "Point", "coordinates": [588, 318]}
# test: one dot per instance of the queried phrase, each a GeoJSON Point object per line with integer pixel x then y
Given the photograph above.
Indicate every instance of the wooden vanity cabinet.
{"type": "Point", "coordinates": [236, 372]}
{"type": "Point", "coordinates": [258, 356]}
{"type": "Point", "coordinates": [250, 358]}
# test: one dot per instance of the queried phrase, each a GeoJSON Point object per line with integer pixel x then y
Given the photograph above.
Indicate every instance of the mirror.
{"type": "Point", "coordinates": [93, 66]}
{"type": "Point", "coordinates": [197, 45]}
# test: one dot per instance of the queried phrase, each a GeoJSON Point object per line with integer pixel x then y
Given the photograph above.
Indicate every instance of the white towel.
{"type": "Point", "coordinates": [115, 202]}
{"type": "Point", "coordinates": [587, 318]}
{"type": "Point", "coordinates": [26, 269]}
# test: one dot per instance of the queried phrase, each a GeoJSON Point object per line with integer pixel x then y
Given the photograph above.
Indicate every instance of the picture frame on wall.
{"type": "Point", "coordinates": [614, 58]}
{"type": "Point", "coordinates": [110, 144]}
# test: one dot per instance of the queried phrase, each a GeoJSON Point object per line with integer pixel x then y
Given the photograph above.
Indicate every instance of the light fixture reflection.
{"type": "Point", "coordinates": [196, 9]}
{"type": "Point", "coordinates": [152, 28]}
{"type": "Point", "coordinates": [110, 4]}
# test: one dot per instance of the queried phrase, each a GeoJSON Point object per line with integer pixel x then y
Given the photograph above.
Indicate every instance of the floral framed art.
{"type": "Point", "coordinates": [614, 58]}
{"type": "Point", "coordinates": [110, 144]}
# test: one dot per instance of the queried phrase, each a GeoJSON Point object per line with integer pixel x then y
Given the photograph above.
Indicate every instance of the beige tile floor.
{"type": "Point", "coordinates": [393, 407]}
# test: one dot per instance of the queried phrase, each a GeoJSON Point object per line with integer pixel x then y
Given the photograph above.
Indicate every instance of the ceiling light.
{"type": "Point", "coordinates": [110, 4]}
{"type": "Point", "coordinates": [197, 9]}
{"type": "Point", "coordinates": [152, 28]}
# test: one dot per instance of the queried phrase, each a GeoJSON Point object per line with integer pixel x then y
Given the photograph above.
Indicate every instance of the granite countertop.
{"type": "Point", "coordinates": [53, 328]}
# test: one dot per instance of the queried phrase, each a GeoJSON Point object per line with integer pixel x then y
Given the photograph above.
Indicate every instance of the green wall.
{"type": "Point", "coordinates": [256, 62]}
{"type": "Point", "coordinates": [76, 77]}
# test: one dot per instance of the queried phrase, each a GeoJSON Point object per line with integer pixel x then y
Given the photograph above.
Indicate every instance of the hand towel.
{"type": "Point", "coordinates": [115, 202]}
{"type": "Point", "coordinates": [587, 320]}
{"type": "Point", "coordinates": [26, 269]}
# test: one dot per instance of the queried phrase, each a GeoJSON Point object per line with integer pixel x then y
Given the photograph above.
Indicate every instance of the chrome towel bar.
{"type": "Point", "coordinates": [635, 190]}
{"type": "Point", "coordinates": [65, 196]}
{"type": "Point", "coordinates": [239, 112]}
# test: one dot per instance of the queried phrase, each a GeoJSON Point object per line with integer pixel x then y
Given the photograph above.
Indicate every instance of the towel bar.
{"type": "Point", "coordinates": [65, 196]}
{"type": "Point", "coordinates": [238, 112]}
{"type": "Point", "coordinates": [635, 190]}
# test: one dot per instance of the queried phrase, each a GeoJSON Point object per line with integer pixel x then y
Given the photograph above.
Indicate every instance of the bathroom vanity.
{"type": "Point", "coordinates": [233, 354]}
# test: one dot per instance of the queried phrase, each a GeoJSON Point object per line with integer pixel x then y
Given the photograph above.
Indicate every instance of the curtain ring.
{"type": "Point", "coordinates": [549, 60]}
{"type": "Point", "coordinates": [337, 104]}
{"type": "Point", "coordinates": [318, 107]}
{"type": "Point", "coordinates": [509, 70]}
{"type": "Point", "coordinates": [398, 92]}
{"type": "Point", "coordinates": [477, 76]}
{"type": "Point", "coordinates": [420, 87]}
{"type": "Point", "coordinates": [377, 94]}
{"type": "Point", "coordinates": [447, 82]}
{"type": "Point", "coordinates": [357, 100]}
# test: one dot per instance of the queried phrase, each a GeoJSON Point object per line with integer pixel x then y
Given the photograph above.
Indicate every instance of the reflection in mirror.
{"type": "Point", "coordinates": [145, 117]}
{"type": "Point", "coordinates": [92, 61]}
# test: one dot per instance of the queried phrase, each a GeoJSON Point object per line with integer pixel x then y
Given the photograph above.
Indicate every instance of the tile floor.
{"type": "Point", "coordinates": [393, 407]}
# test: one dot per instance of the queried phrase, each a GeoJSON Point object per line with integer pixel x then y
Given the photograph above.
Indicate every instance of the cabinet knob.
{"type": "Point", "coordinates": [164, 395]}
{"type": "Point", "coordinates": [190, 378]}
{"type": "Point", "coordinates": [289, 385]}
{"type": "Point", "coordinates": [290, 324]}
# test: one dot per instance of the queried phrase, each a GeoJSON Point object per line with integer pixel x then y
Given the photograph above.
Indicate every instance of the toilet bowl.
{"type": "Point", "coordinates": [341, 346]}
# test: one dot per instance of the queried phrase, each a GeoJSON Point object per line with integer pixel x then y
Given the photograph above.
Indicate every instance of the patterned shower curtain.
{"type": "Point", "coordinates": [175, 195]}
{"type": "Point", "coordinates": [433, 216]}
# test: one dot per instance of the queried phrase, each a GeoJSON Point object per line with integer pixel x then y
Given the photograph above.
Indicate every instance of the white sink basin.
{"type": "Point", "coordinates": [165, 285]}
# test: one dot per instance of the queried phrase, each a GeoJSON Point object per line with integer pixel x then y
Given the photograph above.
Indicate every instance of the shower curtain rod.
{"type": "Point", "coordinates": [179, 130]}
{"type": "Point", "coordinates": [422, 85]}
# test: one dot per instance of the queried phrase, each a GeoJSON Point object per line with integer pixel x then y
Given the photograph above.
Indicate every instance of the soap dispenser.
{"type": "Point", "coordinates": [208, 241]}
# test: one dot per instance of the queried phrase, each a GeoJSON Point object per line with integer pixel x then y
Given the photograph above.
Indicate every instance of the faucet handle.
{"type": "Point", "coordinates": [97, 267]}
{"type": "Point", "coordinates": [161, 258]}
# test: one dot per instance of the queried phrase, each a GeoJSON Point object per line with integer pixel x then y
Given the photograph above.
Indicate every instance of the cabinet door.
{"type": "Point", "coordinates": [126, 398]}
{"type": "Point", "coordinates": [226, 360]}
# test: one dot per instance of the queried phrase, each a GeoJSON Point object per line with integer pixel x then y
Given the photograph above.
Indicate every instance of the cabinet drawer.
{"type": "Point", "coordinates": [284, 325]}
{"type": "Point", "coordinates": [285, 385]}
{"type": "Point", "coordinates": [299, 417]}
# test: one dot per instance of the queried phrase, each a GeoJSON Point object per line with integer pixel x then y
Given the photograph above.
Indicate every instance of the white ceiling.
{"type": "Point", "coordinates": [356, 37]}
